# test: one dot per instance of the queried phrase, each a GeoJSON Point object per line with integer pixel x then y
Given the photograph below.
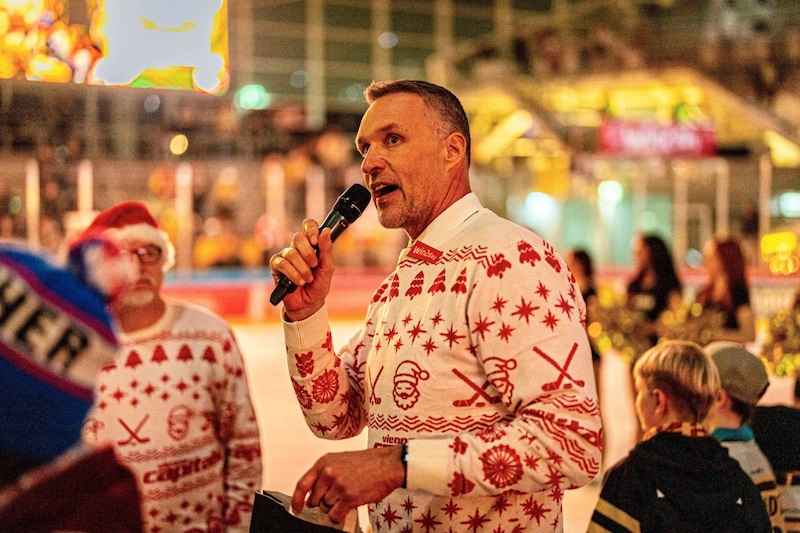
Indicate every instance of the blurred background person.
{"type": "Point", "coordinates": [727, 291]}
{"type": "Point", "coordinates": [743, 381]}
{"type": "Point", "coordinates": [175, 401]}
{"type": "Point", "coordinates": [655, 284]}
{"type": "Point", "coordinates": [777, 432]}
{"type": "Point", "coordinates": [57, 334]}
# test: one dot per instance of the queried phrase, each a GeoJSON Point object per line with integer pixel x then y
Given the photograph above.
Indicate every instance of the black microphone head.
{"type": "Point", "coordinates": [352, 202]}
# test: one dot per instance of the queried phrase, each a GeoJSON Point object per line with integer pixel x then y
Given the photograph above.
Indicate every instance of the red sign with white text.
{"type": "Point", "coordinates": [653, 139]}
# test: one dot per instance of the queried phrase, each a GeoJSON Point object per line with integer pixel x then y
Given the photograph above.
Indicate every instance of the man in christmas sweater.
{"type": "Point", "coordinates": [175, 401]}
{"type": "Point", "coordinates": [472, 372]}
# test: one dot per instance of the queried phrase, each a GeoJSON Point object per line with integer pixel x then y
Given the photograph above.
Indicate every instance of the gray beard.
{"type": "Point", "coordinates": [137, 299]}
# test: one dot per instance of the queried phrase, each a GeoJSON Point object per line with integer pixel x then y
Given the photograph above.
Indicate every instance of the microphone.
{"type": "Point", "coordinates": [348, 207]}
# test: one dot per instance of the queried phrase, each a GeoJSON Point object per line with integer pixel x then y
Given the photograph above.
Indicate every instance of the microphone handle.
{"type": "Point", "coordinates": [284, 286]}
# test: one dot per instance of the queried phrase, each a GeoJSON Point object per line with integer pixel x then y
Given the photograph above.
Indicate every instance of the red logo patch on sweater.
{"type": "Point", "coordinates": [423, 252]}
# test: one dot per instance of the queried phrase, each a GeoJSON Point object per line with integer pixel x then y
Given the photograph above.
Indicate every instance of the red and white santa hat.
{"type": "Point", "coordinates": [132, 221]}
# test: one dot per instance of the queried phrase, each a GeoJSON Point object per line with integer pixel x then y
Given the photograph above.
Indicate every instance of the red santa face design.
{"type": "Point", "coordinates": [406, 383]}
{"type": "Point", "coordinates": [178, 422]}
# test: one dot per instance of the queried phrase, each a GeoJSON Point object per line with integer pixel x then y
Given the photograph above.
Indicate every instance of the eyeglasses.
{"type": "Point", "coordinates": [148, 254]}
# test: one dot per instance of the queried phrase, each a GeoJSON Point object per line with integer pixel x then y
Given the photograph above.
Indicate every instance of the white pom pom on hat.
{"type": "Point", "coordinates": [98, 261]}
{"type": "Point", "coordinates": [133, 221]}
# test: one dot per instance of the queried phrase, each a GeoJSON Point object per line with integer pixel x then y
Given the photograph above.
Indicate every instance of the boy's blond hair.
{"type": "Point", "coordinates": [685, 373]}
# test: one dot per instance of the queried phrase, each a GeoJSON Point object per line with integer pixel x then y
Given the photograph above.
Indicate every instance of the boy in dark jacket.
{"type": "Point", "coordinates": [677, 478]}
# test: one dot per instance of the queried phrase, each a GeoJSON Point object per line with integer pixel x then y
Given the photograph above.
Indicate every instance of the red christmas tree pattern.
{"type": "Point", "coordinates": [415, 289]}
{"type": "Point", "coordinates": [133, 359]}
{"type": "Point", "coordinates": [185, 354]}
{"type": "Point", "coordinates": [159, 355]}
{"type": "Point", "coordinates": [394, 291]}
{"type": "Point", "coordinates": [378, 296]}
{"type": "Point", "coordinates": [209, 355]}
{"type": "Point", "coordinates": [460, 286]}
{"type": "Point", "coordinates": [438, 284]}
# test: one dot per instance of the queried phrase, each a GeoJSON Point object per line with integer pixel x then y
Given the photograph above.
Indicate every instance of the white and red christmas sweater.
{"type": "Point", "coordinates": [175, 404]}
{"type": "Point", "coordinates": [474, 351]}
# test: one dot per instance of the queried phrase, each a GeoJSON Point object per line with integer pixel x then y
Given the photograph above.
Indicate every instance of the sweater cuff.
{"type": "Point", "coordinates": [309, 332]}
{"type": "Point", "coordinates": [427, 465]}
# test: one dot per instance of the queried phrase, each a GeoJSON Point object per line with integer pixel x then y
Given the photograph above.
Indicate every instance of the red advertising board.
{"type": "Point", "coordinates": [654, 139]}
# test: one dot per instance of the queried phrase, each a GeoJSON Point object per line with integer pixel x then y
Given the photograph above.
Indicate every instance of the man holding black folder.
{"type": "Point", "coordinates": [472, 371]}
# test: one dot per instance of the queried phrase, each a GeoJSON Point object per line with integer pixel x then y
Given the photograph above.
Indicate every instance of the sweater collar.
{"type": "Point", "coordinates": [453, 216]}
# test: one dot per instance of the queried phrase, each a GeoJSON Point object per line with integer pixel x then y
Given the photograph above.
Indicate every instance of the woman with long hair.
{"type": "Point", "coordinates": [655, 283]}
{"type": "Point", "coordinates": [727, 291]}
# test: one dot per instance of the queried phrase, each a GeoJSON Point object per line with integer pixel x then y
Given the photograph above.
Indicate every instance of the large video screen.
{"type": "Point", "coordinates": [171, 44]}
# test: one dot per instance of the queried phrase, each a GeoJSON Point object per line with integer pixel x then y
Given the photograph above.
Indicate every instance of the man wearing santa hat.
{"type": "Point", "coordinates": [175, 401]}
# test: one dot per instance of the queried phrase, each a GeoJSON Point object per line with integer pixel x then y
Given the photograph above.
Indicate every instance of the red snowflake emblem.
{"type": "Point", "coordinates": [505, 332]}
{"type": "Point", "coordinates": [534, 509]}
{"type": "Point", "coordinates": [482, 326]}
{"type": "Point", "coordinates": [499, 304]}
{"type": "Point", "coordinates": [325, 387]}
{"type": "Point", "coordinates": [428, 522]}
{"type": "Point", "coordinates": [390, 516]}
{"type": "Point", "coordinates": [502, 467]}
{"type": "Point", "coordinates": [525, 310]}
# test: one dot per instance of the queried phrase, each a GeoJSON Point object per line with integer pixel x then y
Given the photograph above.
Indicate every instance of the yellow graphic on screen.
{"type": "Point", "coordinates": [175, 44]}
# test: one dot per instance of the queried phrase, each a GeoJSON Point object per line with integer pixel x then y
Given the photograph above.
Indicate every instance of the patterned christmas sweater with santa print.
{"type": "Point", "coordinates": [474, 352]}
{"type": "Point", "coordinates": [175, 404]}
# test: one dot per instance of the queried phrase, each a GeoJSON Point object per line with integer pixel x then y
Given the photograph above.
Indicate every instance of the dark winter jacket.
{"type": "Point", "coordinates": [674, 482]}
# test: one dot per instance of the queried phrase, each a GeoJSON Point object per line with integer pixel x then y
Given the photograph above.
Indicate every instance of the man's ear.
{"type": "Point", "coordinates": [456, 146]}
